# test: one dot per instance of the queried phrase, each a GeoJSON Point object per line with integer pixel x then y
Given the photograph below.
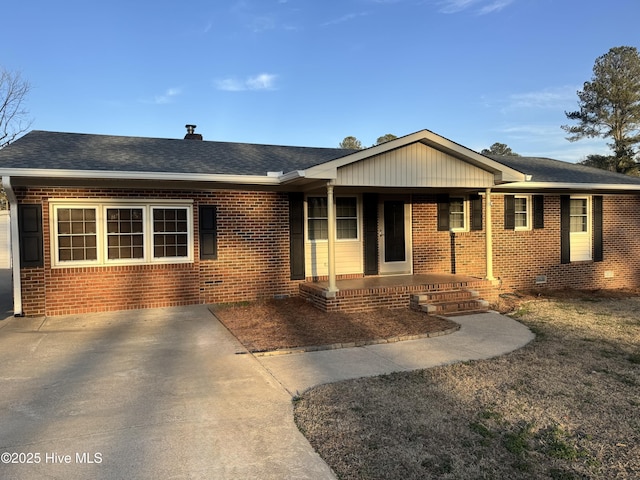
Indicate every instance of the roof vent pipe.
{"type": "Point", "coordinates": [191, 135]}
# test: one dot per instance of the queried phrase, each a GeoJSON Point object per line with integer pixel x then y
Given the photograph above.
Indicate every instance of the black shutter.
{"type": "Point", "coordinates": [31, 235]}
{"type": "Point", "coordinates": [509, 212]}
{"type": "Point", "coordinates": [565, 229]}
{"type": "Point", "coordinates": [476, 212]}
{"type": "Point", "coordinates": [596, 205]}
{"type": "Point", "coordinates": [370, 214]}
{"type": "Point", "coordinates": [208, 232]}
{"type": "Point", "coordinates": [443, 213]}
{"type": "Point", "coordinates": [538, 211]}
{"type": "Point", "coordinates": [296, 236]}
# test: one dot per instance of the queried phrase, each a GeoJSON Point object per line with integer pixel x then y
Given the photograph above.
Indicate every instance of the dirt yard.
{"type": "Point", "coordinates": [567, 406]}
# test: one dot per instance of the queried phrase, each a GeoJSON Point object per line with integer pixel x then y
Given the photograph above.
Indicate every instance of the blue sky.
{"type": "Point", "coordinates": [303, 72]}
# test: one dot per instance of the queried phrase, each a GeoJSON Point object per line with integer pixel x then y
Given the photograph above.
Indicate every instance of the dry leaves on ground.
{"type": "Point", "coordinates": [292, 322]}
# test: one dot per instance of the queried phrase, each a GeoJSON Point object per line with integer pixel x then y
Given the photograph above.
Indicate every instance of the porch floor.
{"type": "Point", "coordinates": [388, 291]}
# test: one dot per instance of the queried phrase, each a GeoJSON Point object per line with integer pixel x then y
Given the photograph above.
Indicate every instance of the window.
{"type": "Point", "coordinates": [170, 232]}
{"type": "Point", "coordinates": [120, 232]}
{"type": "Point", "coordinates": [521, 213]}
{"type": "Point", "coordinates": [77, 234]}
{"type": "Point", "coordinates": [125, 235]}
{"type": "Point", "coordinates": [578, 215]}
{"type": "Point", "coordinates": [456, 214]}
{"type": "Point", "coordinates": [318, 215]}
{"type": "Point", "coordinates": [346, 218]}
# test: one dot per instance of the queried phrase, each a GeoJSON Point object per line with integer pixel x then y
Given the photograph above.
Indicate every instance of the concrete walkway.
{"type": "Point", "coordinates": [170, 393]}
{"type": "Point", "coordinates": [481, 336]}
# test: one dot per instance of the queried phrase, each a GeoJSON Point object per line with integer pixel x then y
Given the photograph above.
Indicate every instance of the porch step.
{"type": "Point", "coordinates": [449, 302]}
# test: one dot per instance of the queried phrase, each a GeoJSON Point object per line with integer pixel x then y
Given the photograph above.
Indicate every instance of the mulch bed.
{"type": "Point", "coordinates": [270, 325]}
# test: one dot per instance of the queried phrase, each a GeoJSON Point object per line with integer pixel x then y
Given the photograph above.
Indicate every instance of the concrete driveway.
{"type": "Point", "coordinates": [170, 393]}
{"type": "Point", "coordinates": [152, 394]}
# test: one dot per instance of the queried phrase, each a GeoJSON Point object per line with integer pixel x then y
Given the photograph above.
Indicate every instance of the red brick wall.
{"type": "Point", "coordinates": [438, 252]}
{"type": "Point", "coordinates": [253, 259]}
{"type": "Point", "coordinates": [253, 254]}
{"type": "Point", "coordinates": [520, 256]}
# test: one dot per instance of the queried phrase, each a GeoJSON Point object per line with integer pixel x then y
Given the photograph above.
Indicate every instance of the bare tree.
{"type": "Point", "coordinates": [13, 116]}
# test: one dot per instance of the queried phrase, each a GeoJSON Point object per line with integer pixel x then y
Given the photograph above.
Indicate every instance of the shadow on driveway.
{"type": "Point", "coordinates": [157, 393]}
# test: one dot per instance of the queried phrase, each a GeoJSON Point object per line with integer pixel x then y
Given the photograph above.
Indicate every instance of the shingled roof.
{"type": "Point", "coordinates": [73, 151]}
{"type": "Point", "coordinates": [547, 170]}
{"type": "Point", "coordinates": [44, 151]}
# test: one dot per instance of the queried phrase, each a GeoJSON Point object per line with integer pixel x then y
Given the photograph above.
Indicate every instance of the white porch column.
{"type": "Point", "coordinates": [331, 230]}
{"type": "Point", "coordinates": [489, 235]}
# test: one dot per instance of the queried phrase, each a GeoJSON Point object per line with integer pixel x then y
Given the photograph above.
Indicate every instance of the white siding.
{"type": "Point", "coordinates": [416, 165]}
{"type": "Point", "coordinates": [349, 258]}
{"type": "Point", "coordinates": [5, 240]}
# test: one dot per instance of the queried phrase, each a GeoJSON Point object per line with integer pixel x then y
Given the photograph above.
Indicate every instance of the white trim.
{"type": "Point", "coordinates": [101, 205]}
{"type": "Point", "coordinates": [15, 246]}
{"type": "Point", "coordinates": [328, 170]}
{"type": "Point", "coordinates": [134, 175]}
{"type": "Point", "coordinates": [528, 212]}
{"type": "Point", "coordinates": [566, 186]}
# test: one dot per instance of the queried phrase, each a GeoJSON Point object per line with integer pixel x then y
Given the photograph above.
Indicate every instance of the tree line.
{"type": "Point", "coordinates": [608, 108]}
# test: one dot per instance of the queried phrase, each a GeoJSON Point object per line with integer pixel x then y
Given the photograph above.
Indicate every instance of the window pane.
{"type": "Point", "coordinates": [317, 207]}
{"type": "Point", "coordinates": [521, 214]}
{"type": "Point", "coordinates": [347, 229]}
{"type": "Point", "coordinates": [318, 229]}
{"type": "Point", "coordinates": [76, 230]}
{"type": "Point", "coordinates": [578, 215]}
{"type": "Point", "coordinates": [124, 233]}
{"type": "Point", "coordinates": [168, 222]}
{"type": "Point", "coordinates": [346, 207]}
{"type": "Point", "coordinates": [456, 213]}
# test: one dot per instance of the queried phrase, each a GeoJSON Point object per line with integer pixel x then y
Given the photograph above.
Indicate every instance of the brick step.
{"type": "Point", "coordinates": [449, 302]}
{"type": "Point", "coordinates": [446, 295]}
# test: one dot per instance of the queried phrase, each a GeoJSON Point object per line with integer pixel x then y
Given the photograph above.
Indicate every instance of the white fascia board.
{"type": "Point", "coordinates": [160, 176]}
{"type": "Point", "coordinates": [567, 186]}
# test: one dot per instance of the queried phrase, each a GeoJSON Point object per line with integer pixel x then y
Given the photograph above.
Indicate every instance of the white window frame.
{"type": "Point", "coordinates": [101, 206]}
{"type": "Point", "coordinates": [527, 212]}
{"type": "Point", "coordinates": [358, 219]}
{"type": "Point", "coordinates": [465, 213]}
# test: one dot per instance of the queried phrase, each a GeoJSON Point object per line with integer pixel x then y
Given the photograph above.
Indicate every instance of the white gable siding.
{"type": "Point", "coordinates": [5, 240]}
{"type": "Point", "coordinates": [415, 165]}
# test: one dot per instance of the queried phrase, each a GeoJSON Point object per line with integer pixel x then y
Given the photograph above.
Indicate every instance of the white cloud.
{"type": "Point", "coordinates": [262, 81]}
{"type": "Point", "coordinates": [494, 7]}
{"type": "Point", "coordinates": [484, 7]}
{"type": "Point", "coordinates": [167, 96]}
{"type": "Point", "coordinates": [552, 97]}
{"type": "Point", "coordinates": [345, 18]}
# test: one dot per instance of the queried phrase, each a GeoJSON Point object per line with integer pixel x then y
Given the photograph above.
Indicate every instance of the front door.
{"type": "Point", "coordinates": [394, 223]}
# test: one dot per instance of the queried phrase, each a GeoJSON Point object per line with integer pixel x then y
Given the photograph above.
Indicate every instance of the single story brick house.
{"type": "Point", "coordinates": [111, 222]}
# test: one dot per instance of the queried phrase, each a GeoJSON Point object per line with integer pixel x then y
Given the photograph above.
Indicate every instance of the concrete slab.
{"type": "Point", "coordinates": [151, 394]}
{"type": "Point", "coordinates": [481, 336]}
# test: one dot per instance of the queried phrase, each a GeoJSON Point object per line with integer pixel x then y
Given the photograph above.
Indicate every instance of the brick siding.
{"type": "Point", "coordinates": [253, 258]}
{"type": "Point", "coordinates": [519, 257]}
{"type": "Point", "coordinates": [253, 255]}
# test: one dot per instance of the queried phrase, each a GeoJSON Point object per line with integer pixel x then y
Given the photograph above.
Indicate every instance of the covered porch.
{"type": "Point", "coordinates": [435, 293]}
